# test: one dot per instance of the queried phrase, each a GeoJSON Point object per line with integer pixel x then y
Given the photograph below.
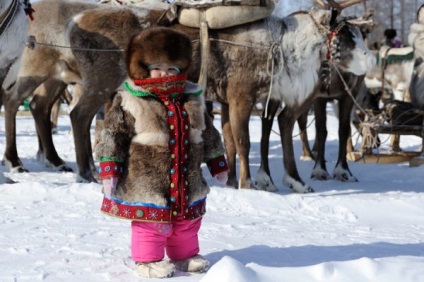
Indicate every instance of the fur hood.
{"type": "Point", "coordinates": [416, 39]}
{"type": "Point", "coordinates": [415, 30]}
{"type": "Point", "coordinates": [158, 45]}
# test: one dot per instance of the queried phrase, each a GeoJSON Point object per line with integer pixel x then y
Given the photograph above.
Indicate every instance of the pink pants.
{"type": "Point", "coordinates": [150, 240]}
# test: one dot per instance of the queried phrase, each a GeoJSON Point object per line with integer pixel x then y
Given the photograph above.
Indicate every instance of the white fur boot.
{"type": "Point", "coordinates": [194, 264]}
{"type": "Point", "coordinates": [157, 269]}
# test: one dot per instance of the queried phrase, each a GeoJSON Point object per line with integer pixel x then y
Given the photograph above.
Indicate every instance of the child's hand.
{"type": "Point", "coordinates": [109, 186]}
{"type": "Point", "coordinates": [222, 177]}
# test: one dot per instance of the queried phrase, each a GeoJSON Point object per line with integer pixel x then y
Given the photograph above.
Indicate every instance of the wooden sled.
{"type": "Point", "coordinates": [397, 118]}
{"type": "Point", "coordinates": [384, 157]}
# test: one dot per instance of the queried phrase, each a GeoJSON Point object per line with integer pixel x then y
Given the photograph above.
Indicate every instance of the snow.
{"type": "Point", "coordinates": [371, 230]}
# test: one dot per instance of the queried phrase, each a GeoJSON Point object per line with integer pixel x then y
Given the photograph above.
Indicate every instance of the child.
{"type": "Point", "coordinates": [390, 38]}
{"type": "Point", "coordinates": [156, 135]}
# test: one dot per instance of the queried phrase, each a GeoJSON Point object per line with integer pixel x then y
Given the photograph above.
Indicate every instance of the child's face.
{"type": "Point", "coordinates": [161, 70]}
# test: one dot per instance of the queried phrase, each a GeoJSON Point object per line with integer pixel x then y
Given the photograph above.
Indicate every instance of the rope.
{"type": "Point", "coordinates": [240, 44]}
{"type": "Point", "coordinates": [32, 42]}
{"type": "Point", "coordinates": [348, 90]}
{"type": "Point", "coordinates": [368, 136]}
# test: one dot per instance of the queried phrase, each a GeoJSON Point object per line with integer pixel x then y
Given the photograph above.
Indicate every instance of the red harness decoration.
{"type": "Point", "coordinates": [28, 9]}
{"type": "Point", "coordinates": [331, 37]}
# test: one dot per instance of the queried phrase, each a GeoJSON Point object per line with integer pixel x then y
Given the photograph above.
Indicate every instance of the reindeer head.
{"type": "Point", "coordinates": [346, 47]}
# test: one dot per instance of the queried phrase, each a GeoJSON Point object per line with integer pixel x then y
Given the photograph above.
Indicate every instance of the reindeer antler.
{"type": "Point", "coordinates": [339, 6]}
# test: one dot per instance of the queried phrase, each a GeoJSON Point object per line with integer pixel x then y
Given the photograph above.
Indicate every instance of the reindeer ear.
{"type": "Point", "coordinates": [321, 16]}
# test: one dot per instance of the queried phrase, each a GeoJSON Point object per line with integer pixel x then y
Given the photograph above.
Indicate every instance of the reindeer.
{"type": "Point", "coordinates": [237, 74]}
{"type": "Point", "coordinates": [13, 32]}
{"type": "Point", "coordinates": [340, 86]}
{"type": "Point", "coordinates": [45, 71]}
{"type": "Point", "coordinates": [336, 91]}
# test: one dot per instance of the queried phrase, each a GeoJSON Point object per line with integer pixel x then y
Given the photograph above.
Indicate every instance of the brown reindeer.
{"type": "Point", "coordinates": [237, 75]}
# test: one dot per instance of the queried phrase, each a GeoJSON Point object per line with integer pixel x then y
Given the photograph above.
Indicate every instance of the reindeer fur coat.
{"type": "Point", "coordinates": [416, 40]}
{"type": "Point", "coordinates": [137, 147]}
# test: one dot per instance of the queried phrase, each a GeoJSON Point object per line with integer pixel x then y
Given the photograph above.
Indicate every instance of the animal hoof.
{"type": "Point", "coordinates": [64, 168]}
{"type": "Point", "coordinates": [248, 185]}
{"type": "Point", "coordinates": [232, 183]}
{"type": "Point", "coordinates": [81, 179]}
{"type": "Point", "coordinates": [345, 177]}
{"type": "Point", "coordinates": [297, 186]}
{"type": "Point", "coordinates": [20, 169]}
{"type": "Point", "coordinates": [309, 190]}
{"type": "Point", "coordinates": [264, 182]}
{"type": "Point", "coordinates": [320, 174]}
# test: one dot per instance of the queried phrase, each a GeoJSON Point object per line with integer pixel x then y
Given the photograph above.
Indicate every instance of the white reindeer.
{"type": "Point", "coordinates": [13, 33]}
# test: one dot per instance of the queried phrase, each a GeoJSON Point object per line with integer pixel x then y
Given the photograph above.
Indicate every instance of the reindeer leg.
{"type": "Point", "coordinates": [263, 176]}
{"type": "Point", "coordinates": [341, 170]}
{"type": "Point", "coordinates": [306, 149]}
{"type": "Point", "coordinates": [41, 104]}
{"type": "Point", "coordinates": [240, 110]}
{"type": "Point", "coordinates": [320, 169]}
{"type": "Point", "coordinates": [230, 146]}
{"type": "Point", "coordinates": [81, 117]}
{"type": "Point", "coordinates": [13, 98]}
{"type": "Point", "coordinates": [286, 120]}
{"type": "Point", "coordinates": [55, 115]}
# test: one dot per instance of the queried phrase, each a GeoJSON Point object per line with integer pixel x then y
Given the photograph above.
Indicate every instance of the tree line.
{"type": "Point", "coordinates": [395, 14]}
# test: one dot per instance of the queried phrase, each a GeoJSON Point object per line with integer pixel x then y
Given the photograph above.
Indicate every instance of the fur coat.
{"type": "Point", "coordinates": [157, 164]}
{"type": "Point", "coordinates": [416, 40]}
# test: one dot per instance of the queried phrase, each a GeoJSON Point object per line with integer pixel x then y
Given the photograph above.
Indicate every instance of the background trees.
{"type": "Point", "coordinates": [397, 14]}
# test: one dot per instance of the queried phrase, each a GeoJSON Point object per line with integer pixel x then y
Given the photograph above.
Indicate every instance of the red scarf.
{"type": "Point", "coordinates": [167, 85]}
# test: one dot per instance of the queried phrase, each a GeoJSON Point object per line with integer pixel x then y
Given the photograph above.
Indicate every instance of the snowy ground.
{"type": "Point", "coordinates": [371, 230]}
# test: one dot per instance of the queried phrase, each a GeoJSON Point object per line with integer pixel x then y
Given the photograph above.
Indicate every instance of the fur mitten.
{"type": "Point", "coordinates": [109, 186]}
{"type": "Point", "coordinates": [222, 177]}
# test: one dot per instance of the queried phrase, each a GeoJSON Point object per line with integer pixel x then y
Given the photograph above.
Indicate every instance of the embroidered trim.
{"type": "Point", "coordinates": [148, 212]}
{"type": "Point", "coordinates": [110, 169]}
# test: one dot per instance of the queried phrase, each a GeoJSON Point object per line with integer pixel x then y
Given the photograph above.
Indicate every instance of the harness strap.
{"type": "Point", "coordinates": [205, 49]}
{"type": "Point", "coordinates": [7, 18]}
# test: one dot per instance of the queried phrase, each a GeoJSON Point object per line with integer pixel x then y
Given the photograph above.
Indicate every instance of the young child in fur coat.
{"type": "Point", "coordinates": [157, 133]}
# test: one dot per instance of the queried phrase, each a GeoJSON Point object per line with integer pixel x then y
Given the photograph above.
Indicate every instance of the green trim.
{"type": "Point", "coordinates": [395, 58]}
{"type": "Point", "coordinates": [198, 93]}
{"type": "Point", "coordinates": [107, 159]}
{"type": "Point", "coordinates": [136, 92]}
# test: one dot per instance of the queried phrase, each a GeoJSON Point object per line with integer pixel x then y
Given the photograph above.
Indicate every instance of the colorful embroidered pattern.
{"type": "Point", "coordinates": [149, 212]}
